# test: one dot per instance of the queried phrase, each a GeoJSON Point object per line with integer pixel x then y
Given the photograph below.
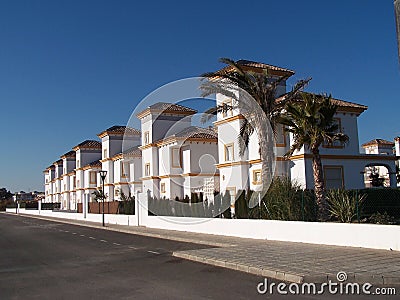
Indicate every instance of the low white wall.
{"type": "Point", "coordinates": [108, 218]}
{"type": "Point", "coordinates": [340, 234]}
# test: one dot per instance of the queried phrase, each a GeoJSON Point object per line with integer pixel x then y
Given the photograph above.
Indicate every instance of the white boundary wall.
{"type": "Point", "coordinates": [129, 220]}
{"type": "Point", "coordinates": [340, 234]}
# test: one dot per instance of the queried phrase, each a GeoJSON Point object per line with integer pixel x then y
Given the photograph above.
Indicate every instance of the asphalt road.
{"type": "Point", "coordinates": [41, 259]}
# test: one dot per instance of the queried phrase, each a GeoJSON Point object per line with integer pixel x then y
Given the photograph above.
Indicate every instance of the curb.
{"type": "Point", "coordinates": [270, 273]}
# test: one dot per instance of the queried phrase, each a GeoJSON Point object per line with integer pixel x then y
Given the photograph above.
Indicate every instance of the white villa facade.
{"type": "Point", "coordinates": [381, 147]}
{"type": "Point", "coordinates": [170, 158]}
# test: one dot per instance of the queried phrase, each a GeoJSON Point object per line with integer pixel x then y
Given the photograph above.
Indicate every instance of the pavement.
{"type": "Point", "coordinates": [285, 261]}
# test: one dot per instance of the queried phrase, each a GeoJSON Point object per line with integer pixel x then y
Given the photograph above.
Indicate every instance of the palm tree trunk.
{"type": "Point", "coordinates": [319, 185]}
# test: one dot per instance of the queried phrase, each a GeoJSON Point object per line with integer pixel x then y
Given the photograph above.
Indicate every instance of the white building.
{"type": "Point", "coordinates": [177, 158]}
{"type": "Point", "coordinates": [88, 153]}
{"type": "Point", "coordinates": [381, 147]}
{"type": "Point", "coordinates": [69, 165]}
{"type": "Point", "coordinates": [117, 181]}
{"type": "Point", "coordinates": [170, 158]}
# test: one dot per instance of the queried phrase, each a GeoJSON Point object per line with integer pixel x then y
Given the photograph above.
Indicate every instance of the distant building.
{"type": "Point", "coordinates": [30, 196]}
{"type": "Point", "coordinates": [381, 147]}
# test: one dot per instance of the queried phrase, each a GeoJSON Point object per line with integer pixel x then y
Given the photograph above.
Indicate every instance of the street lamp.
{"type": "Point", "coordinates": [16, 203]}
{"type": "Point", "coordinates": [103, 175]}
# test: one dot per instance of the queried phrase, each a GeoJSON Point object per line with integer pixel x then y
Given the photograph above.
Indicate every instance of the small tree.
{"type": "Point", "coordinates": [312, 123]}
{"type": "Point", "coordinates": [98, 195]}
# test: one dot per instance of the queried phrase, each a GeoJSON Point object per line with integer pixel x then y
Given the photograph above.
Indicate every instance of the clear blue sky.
{"type": "Point", "coordinates": [69, 69]}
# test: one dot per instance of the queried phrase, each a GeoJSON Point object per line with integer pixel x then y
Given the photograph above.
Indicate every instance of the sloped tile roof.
{"type": "Point", "coordinates": [58, 162]}
{"type": "Point", "coordinates": [378, 142]}
{"type": "Point", "coordinates": [338, 102]}
{"type": "Point", "coordinates": [164, 107]}
{"type": "Point", "coordinates": [88, 144]}
{"type": "Point", "coordinates": [197, 132]}
{"type": "Point", "coordinates": [71, 153]}
{"type": "Point", "coordinates": [93, 164]}
{"type": "Point", "coordinates": [134, 151]}
{"type": "Point", "coordinates": [257, 65]}
{"type": "Point", "coordinates": [192, 132]}
{"type": "Point", "coordinates": [119, 130]}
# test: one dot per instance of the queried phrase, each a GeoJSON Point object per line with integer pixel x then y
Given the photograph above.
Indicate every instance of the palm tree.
{"type": "Point", "coordinates": [312, 123]}
{"type": "Point", "coordinates": [98, 195]}
{"type": "Point", "coordinates": [242, 84]}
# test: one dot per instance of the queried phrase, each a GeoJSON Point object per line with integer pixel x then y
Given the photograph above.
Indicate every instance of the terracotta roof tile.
{"type": "Point", "coordinates": [197, 132]}
{"type": "Point", "coordinates": [119, 130]}
{"type": "Point", "coordinates": [88, 144]}
{"type": "Point", "coordinates": [192, 132]}
{"type": "Point", "coordinates": [93, 164]}
{"type": "Point", "coordinates": [164, 107]}
{"type": "Point", "coordinates": [58, 162]}
{"type": "Point", "coordinates": [338, 102]}
{"type": "Point", "coordinates": [378, 142]}
{"type": "Point", "coordinates": [134, 151]}
{"type": "Point", "coordinates": [71, 153]}
{"type": "Point", "coordinates": [258, 65]}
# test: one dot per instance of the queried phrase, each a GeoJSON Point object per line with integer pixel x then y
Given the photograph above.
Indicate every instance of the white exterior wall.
{"type": "Point", "coordinates": [72, 194]}
{"type": "Point", "coordinates": [90, 187]}
{"type": "Point", "coordinates": [204, 157]}
{"type": "Point", "coordinates": [135, 173]}
{"type": "Point", "coordinates": [47, 187]}
{"type": "Point", "coordinates": [65, 192]}
{"type": "Point", "coordinates": [397, 146]}
{"type": "Point", "coordinates": [108, 165]}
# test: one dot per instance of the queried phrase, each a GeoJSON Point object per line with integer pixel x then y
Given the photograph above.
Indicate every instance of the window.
{"type": "Point", "coordinates": [65, 171]}
{"type": "Point", "coordinates": [93, 177]}
{"type": "Point", "coordinates": [147, 138]}
{"type": "Point", "coordinates": [162, 187]}
{"type": "Point", "coordinates": [105, 153]}
{"type": "Point", "coordinates": [280, 139]}
{"type": "Point", "coordinates": [335, 144]}
{"type": "Point", "coordinates": [124, 170]}
{"type": "Point", "coordinates": [65, 187]}
{"type": "Point", "coordinates": [256, 176]}
{"type": "Point", "coordinates": [229, 155]}
{"type": "Point", "coordinates": [74, 182]}
{"type": "Point", "coordinates": [78, 163]}
{"type": "Point", "coordinates": [147, 170]}
{"type": "Point", "coordinates": [78, 183]}
{"type": "Point", "coordinates": [333, 176]}
{"type": "Point", "coordinates": [175, 158]}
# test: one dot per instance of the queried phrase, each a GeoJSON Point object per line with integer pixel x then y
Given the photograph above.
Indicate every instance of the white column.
{"type": "Point", "coordinates": [141, 210]}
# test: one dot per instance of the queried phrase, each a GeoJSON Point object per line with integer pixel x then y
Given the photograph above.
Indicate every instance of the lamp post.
{"type": "Point", "coordinates": [103, 175]}
{"type": "Point", "coordinates": [16, 203]}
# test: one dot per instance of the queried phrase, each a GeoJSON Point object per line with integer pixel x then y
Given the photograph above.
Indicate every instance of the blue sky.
{"type": "Point", "coordinates": [69, 69]}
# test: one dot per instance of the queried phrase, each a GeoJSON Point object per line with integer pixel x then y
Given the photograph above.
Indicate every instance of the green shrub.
{"type": "Point", "coordinates": [241, 206]}
{"type": "Point", "coordinates": [286, 200]}
{"type": "Point", "coordinates": [343, 205]}
{"type": "Point", "coordinates": [378, 218]}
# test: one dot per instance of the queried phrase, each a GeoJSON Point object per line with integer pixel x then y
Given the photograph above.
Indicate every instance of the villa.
{"type": "Point", "coordinates": [171, 158]}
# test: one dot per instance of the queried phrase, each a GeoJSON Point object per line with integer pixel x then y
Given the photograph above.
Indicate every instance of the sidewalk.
{"type": "Point", "coordinates": [292, 262]}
